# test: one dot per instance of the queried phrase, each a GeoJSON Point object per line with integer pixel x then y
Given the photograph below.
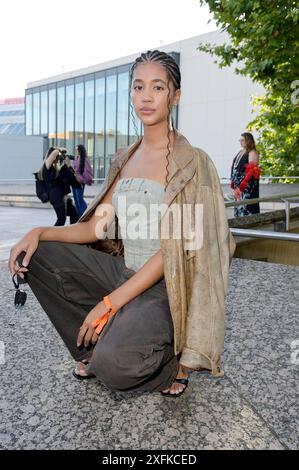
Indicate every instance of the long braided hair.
{"type": "Point", "coordinates": [173, 73]}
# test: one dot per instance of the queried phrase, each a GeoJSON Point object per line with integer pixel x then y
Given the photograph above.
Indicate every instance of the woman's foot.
{"type": "Point", "coordinates": [80, 367]}
{"type": "Point", "coordinates": [177, 387]}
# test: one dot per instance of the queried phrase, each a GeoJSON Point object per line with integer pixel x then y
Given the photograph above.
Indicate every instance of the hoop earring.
{"type": "Point", "coordinates": [170, 123]}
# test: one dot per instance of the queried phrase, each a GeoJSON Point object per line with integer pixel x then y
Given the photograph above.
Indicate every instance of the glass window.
{"type": "Point", "coordinates": [122, 109]}
{"type": "Point", "coordinates": [60, 116]}
{"type": "Point", "coordinates": [44, 112]}
{"type": "Point", "coordinates": [21, 129]}
{"type": "Point", "coordinates": [110, 120]}
{"type": "Point", "coordinates": [29, 114]}
{"type": "Point", "coordinates": [89, 116]}
{"type": "Point", "coordinates": [99, 128]}
{"type": "Point", "coordinates": [52, 116]}
{"type": "Point", "coordinates": [79, 103]}
{"type": "Point", "coordinates": [36, 103]}
{"type": "Point", "coordinates": [69, 118]}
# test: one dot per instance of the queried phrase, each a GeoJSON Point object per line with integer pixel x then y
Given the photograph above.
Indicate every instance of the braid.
{"type": "Point", "coordinates": [173, 74]}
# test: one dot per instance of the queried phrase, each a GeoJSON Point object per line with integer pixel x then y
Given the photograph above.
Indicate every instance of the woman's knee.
{"type": "Point", "coordinates": [50, 250]}
{"type": "Point", "coordinates": [121, 368]}
{"type": "Point", "coordinates": [46, 250]}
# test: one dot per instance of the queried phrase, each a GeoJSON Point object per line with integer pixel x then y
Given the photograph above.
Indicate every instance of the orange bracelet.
{"type": "Point", "coordinates": [99, 323]}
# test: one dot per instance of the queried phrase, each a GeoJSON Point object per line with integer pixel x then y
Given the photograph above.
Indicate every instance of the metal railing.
{"type": "Point", "coordinates": [283, 198]}
{"type": "Point", "coordinates": [264, 179]}
{"type": "Point", "coordinates": [245, 232]}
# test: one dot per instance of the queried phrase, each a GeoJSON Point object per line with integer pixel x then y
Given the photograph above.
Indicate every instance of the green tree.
{"type": "Point", "coordinates": [264, 40]}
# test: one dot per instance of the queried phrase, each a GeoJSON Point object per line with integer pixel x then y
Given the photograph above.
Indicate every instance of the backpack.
{"type": "Point", "coordinates": [41, 189]}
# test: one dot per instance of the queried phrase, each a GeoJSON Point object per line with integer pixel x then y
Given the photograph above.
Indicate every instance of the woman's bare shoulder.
{"type": "Point", "coordinates": [254, 155]}
{"type": "Point", "coordinates": [253, 152]}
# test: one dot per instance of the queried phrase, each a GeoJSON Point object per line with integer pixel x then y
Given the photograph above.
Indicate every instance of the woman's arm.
{"type": "Point", "coordinates": [150, 273]}
{"type": "Point", "coordinates": [145, 277]}
{"type": "Point", "coordinates": [83, 232]}
{"type": "Point", "coordinates": [251, 169]}
{"type": "Point", "coordinates": [51, 158]}
{"type": "Point", "coordinates": [253, 156]}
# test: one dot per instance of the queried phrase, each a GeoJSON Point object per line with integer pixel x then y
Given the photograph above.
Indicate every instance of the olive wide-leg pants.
{"type": "Point", "coordinates": [135, 350]}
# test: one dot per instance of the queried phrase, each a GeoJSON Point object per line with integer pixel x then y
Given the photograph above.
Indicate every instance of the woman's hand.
{"type": "Point", "coordinates": [29, 244]}
{"type": "Point", "coordinates": [62, 149]}
{"type": "Point", "coordinates": [87, 331]}
{"type": "Point", "coordinates": [238, 194]}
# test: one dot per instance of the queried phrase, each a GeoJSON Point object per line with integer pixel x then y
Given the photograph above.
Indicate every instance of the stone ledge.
{"type": "Point", "coordinates": [255, 220]}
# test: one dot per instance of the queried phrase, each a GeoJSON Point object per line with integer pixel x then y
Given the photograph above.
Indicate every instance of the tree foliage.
{"type": "Point", "coordinates": [264, 40]}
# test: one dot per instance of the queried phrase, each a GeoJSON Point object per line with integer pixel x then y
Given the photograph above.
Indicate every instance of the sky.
{"type": "Point", "coordinates": [42, 38]}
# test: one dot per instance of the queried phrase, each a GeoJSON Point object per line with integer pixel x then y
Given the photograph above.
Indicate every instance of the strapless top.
{"type": "Point", "coordinates": [136, 202]}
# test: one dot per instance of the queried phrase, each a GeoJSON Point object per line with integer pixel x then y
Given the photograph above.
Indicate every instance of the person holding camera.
{"type": "Point", "coordinates": [58, 175]}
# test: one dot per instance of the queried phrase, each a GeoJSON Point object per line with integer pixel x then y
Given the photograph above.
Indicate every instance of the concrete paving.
{"type": "Point", "coordinates": [252, 407]}
{"type": "Point", "coordinates": [16, 221]}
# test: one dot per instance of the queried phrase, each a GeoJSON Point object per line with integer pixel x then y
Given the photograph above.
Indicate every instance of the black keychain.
{"type": "Point", "coordinates": [20, 295]}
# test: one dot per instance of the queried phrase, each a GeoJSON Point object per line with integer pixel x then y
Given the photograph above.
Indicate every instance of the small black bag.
{"type": "Point", "coordinates": [41, 189]}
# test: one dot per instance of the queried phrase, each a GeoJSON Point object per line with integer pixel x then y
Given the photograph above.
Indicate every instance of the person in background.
{"type": "Point", "coordinates": [245, 175]}
{"type": "Point", "coordinates": [55, 171]}
{"type": "Point", "coordinates": [83, 174]}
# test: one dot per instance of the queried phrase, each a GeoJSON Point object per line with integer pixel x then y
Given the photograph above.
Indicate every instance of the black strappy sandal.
{"type": "Point", "coordinates": [181, 381]}
{"type": "Point", "coordinates": [83, 377]}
